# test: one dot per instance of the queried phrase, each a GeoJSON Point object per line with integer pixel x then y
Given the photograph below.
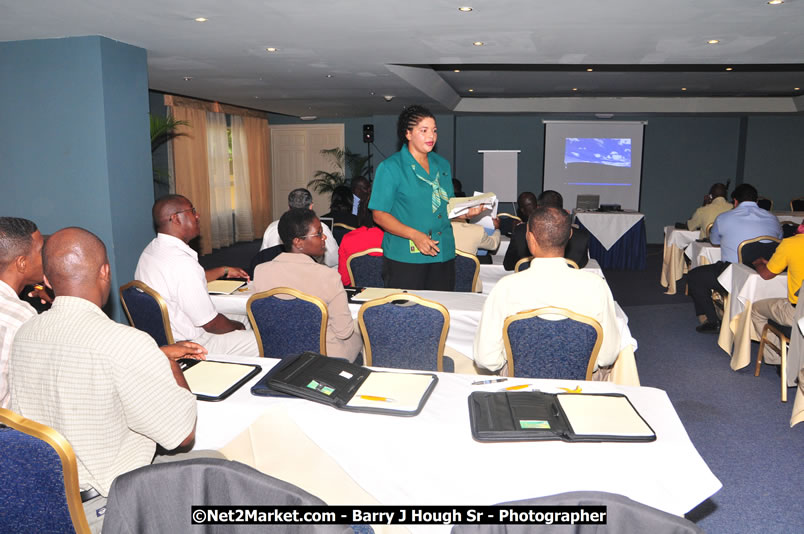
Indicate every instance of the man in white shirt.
{"type": "Point", "coordinates": [170, 267]}
{"type": "Point", "coordinates": [302, 198]}
{"type": "Point", "coordinates": [548, 282]}
{"type": "Point", "coordinates": [20, 265]}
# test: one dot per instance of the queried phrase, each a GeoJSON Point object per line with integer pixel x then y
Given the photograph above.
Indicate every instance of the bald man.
{"type": "Point", "coordinates": [106, 387]}
{"type": "Point", "coordinates": [170, 267]}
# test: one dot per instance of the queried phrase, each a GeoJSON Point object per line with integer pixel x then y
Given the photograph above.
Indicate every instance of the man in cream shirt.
{"type": "Point", "coordinates": [714, 204]}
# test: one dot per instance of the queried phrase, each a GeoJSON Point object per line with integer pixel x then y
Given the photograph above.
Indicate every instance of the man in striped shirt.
{"type": "Point", "coordinates": [20, 265]}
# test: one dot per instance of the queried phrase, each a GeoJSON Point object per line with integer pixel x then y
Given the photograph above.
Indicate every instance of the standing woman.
{"type": "Point", "coordinates": [409, 200]}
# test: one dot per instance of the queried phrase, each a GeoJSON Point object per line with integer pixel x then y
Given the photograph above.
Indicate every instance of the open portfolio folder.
{"type": "Point", "coordinates": [347, 386]}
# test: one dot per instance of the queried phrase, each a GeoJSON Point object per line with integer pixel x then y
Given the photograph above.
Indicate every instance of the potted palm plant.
{"type": "Point", "coordinates": [346, 162]}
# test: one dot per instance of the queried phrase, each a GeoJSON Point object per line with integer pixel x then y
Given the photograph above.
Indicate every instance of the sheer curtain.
{"type": "Point", "coordinates": [244, 226]}
{"type": "Point", "coordinates": [220, 197]}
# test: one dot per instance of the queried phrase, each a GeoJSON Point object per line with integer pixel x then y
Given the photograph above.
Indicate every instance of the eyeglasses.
{"type": "Point", "coordinates": [319, 235]}
{"type": "Point", "coordinates": [183, 211]}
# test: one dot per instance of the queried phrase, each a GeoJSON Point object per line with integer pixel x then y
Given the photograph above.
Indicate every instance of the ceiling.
{"type": "Point", "coordinates": [345, 58]}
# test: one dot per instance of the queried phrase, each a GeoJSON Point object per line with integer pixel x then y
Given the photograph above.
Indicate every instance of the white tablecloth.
{"type": "Point", "coordinates": [431, 459]}
{"type": "Point", "coordinates": [702, 254]}
{"type": "Point", "coordinates": [795, 216]}
{"type": "Point", "coordinates": [608, 228]}
{"type": "Point", "coordinates": [679, 238]}
{"type": "Point", "coordinates": [505, 242]}
{"type": "Point", "coordinates": [490, 274]}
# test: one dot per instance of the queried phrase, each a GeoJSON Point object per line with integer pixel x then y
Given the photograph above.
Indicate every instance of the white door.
{"type": "Point", "coordinates": [296, 156]}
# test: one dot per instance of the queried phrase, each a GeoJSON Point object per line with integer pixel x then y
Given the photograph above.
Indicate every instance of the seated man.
{"type": "Point", "coordinates": [714, 204]}
{"type": "Point", "coordinates": [745, 221]}
{"type": "Point", "coordinates": [303, 236]}
{"type": "Point", "coordinates": [106, 387]}
{"type": "Point", "coordinates": [548, 282]}
{"type": "Point", "coordinates": [170, 267]}
{"type": "Point", "coordinates": [577, 248]}
{"type": "Point", "coordinates": [302, 199]}
{"type": "Point", "coordinates": [788, 255]}
{"type": "Point", "coordinates": [469, 236]}
{"type": "Point", "coordinates": [20, 265]}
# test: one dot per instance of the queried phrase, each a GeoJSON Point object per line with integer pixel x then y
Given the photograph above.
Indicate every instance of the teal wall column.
{"type": "Point", "coordinates": [75, 143]}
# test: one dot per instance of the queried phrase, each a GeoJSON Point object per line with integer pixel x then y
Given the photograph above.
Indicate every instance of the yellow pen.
{"type": "Point", "coordinates": [514, 388]}
{"type": "Point", "coordinates": [39, 287]}
{"type": "Point", "coordinates": [376, 398]}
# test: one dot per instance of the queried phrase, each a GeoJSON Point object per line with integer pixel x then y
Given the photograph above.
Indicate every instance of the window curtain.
{"type": "Point", "coordinates": [220, 198]}
{"type": "Point", "coordinates": [190, 161]}
{"type": "Point", "coordinates": [244, 226]}
{"type": "Point", "coordinates": [259, 166]}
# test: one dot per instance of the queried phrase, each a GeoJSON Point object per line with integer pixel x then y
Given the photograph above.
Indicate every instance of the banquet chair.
{"type": "Point", "coordinates": [624, 516]}
{"type": "Point", "coordinates": [158, 497]}
{"type": "Point", "coordinates": [708, 229]}
{"type": "Point", "coordinates": [287, 322]}
{"type": "Point", "coordinates": [265, 255]}
{"type": "Point", "coordinates": [765, 203]}
{"type": "Point", "coordinates": [405, 331]}
{"type": "Point", "coordinates": [783, 333]}
{"type": "Point", "coordinates": [797, 204]}
{"type": "Point", "coordinates": [467, 268]}
{"type": "Point", "coordinates": [758, 247]}
{"type": "Point", "coordinates": [507, 223]}
{"type": "Point", "coordinates": [365, 270]}
{"type": "Point", "coordinates": [522, 264]}
{"type": "Point", "coordinates": [146, 310]}
{"type": "Point", "coordinates": [571, 263]}
{"type": "Point", "coordinates": [789, 228]}
{"type": "Point", "coordinates": [339, 230]}
{"type": "Point", "coordinates": [40, 490]}
{"type": "Point", "coordinates": [540, 347]}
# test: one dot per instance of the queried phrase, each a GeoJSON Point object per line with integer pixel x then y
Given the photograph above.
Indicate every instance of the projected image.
{"type": "Point", "coordinates": [614, 152]}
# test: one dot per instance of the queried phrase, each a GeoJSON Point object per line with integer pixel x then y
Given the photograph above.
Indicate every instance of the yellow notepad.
{"type": "Point", "coordinates": [224, 287]}
{"type": "Point", "coordinates": [371, 293]}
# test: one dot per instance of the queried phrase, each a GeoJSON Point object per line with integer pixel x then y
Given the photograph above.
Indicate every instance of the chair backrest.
{"type": "Point", "coordinates": [467, 268]}
{"type": "Point", "coordinates": [266, 254]}
{"type": "Point", "coordinates": [765, 203]}
{"type": "Point", "coordinates": [571, 263]}
{"type": "Point", "coordinates": [507, 223]}
{"type": "Point", "coordinates": [339, 230]}
{"type": "Point", "coordinates": [146, 499]}
{"type": "Point", "coordinates": [522, 264]}
{"type": "Point", "coordinates": [146, 310]}
{"type": "Point", "coordinates": [758, 247]}
{"type": "Point", "coordinates": [708, 229]}
{"type": "Point", "coordinates": [539, 347]}
{"type": "Point", "coordinates": [40, 491]}
{"type": "Point", "coordinates": [797, 204]}
{"type": "Point", "coordinates": [404, 331]}
{"type": "Point", "coordinates": [789, 228]}
{"type": "Point", "coordinates": [365, 270]}
{"type": "Point", "coordinates": [287, 322]}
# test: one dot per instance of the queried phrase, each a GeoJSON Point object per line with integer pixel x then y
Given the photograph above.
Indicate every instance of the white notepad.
{"type": "Point", "coordinates": [371, 293]}
{"type": "Point", "coordinates": [600, 415]}
{"type": "Point", "coordinates": [224, 287]}
{"type": "Point", "coordinates": [214, 378]}
{"type": "Point", "coordinates": [403, 391]}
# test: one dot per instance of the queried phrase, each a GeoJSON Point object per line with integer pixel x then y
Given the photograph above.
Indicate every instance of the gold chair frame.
{"type": "Point", "coordinates": [159, 300]}
{"type": "Point", "coordinates": [343, 225]}
{"type": "Point", "coordinates": [781, 350]}
{"type": "Point", "coordinates": [69, 465]}
{"type": "Point", "coordinates": [754, 240]}
{"type": "Point", "coordinates": [410, 298]}
{"type": "Point", "coordinates": [550, 310]}
{"type": "Point", "coordinates": [477, 266]}
{"type": "Point", "coordinates": [521, 262]}
{"type": "Point", "coordinates": [708, 229]}
{"type": "Point", "coordinates": [355, 255]}
{"type": "Point", "coordinates": [769, 200]}
{"type": "Point", "coordinates": [322, 342]}
{"type": "Point", "coordinates": [572, 263]}
{"type": "Point", "coordinates": [510, 216]}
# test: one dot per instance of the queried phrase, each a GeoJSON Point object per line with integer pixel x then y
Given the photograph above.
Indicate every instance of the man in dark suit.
{"type": "Point", "coordinates": [577, 248]}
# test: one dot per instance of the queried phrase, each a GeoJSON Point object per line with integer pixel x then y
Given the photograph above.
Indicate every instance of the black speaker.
{"type": "Point", "coordinates": [368, 133]}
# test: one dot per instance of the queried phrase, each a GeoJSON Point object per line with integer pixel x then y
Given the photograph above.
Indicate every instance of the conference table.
{"type": "Point", "coordinates": [465, 310]}
{"type": "Point", "coordinates": [617, 239]}
{"type": "Point", "coordinates": [746, 287]}
{"type": "Point", "coordinates": [349, 458]}
{"type": "Point", "coordinates": [673, 264]}
{"type": "Point", "coordinates": [795, 216]}
{"type": "Point", "coordinates": [702, 253]}
{"type": "Point", "coordinates": [490, 274]}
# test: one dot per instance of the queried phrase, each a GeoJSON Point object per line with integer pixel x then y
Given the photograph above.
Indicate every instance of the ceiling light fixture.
{"type": "Point", "coordinates": [796, 88]}
{"type": "Point", "coordinates": [465, 9]}
{"type": "Point", "coordinates": [330, 75]}
{"type": "Point", "coordinates": [589, 69]}
{"type": "Point", "coordinates": [457, 70]}
{"type": "Point", "coordinates": [683, 88]}
{"type": "Point", "coordinates": [478, 43]}
{"type": "Point", "coordinates": [713, 41]}
{"type": "Point", "coordinates": [271, 49]}
{"type": "Point", "coordinates": [574, 88]}
{"type": "Point", "coordinates": [200, 19]}
{"type": "Point", "coordinates": [471, 90]}
{"type": "Point", "coordinates": [188, 78]}
{"type": "Point", "coordinates": [729, 68]}
{"type": "Point", "coordinates": [775, 2]}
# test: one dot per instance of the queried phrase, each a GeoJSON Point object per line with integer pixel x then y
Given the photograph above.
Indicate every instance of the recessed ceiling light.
{"type": "Point", "coordinates": [457, 70]}
{"type": "Point", "coordinates": [683, 88]}
{"type": "Point", "coordinates": [200, 19]}
{"type": "Point", "coordinates": [271, 49]}
{"type": "Point", "coordinates": [589, 69]}
{"type": "Point", "coordinates": [478, 43]}
{"type": "Point", "coordinates": [713, 41]}
{"type": "Point", "coordinates": [188, 78]}
{"type": "Point", "coordinates": [471, 90]}
{"type": "Point", "coordinates": [775, 2]}
{"type": "Point", "coordinates": [371, 93]}
{"type": "Point", "coordinates": [465, 9]}
{"type": "Point", "coordinates": [729, 68]}
{"type": "Point", "coordinates": [330, 75]}
{"type": "Point", "coordinates": [796, 88]}
{"type": "Point", "coordinates": [574, 88]}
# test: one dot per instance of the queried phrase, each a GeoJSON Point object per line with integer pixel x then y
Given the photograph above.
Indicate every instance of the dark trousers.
{"type": "Point", "coordinates": [700, 282]}
{"type": "Point", "coordinates": [438, 276]}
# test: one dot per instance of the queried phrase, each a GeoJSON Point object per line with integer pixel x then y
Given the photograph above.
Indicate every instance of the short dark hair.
{"type": "Point", "coordinates": [718, 190]}
{"type": "Point", "coordinates": [550, 226]}
{"type": "Point", "coordinates": [299, 198]}
{"type": "Point", "coordinates": [550, 199]}
{"type": "Point", "coordinates": [15, 239]}
{"type": "Point", "coordinates": [342, 199]}
{"type": "Point", "coordinates": [745, 193]}
{"type": "Point", "coordinates": [410, 117]}
{"type": "Point", "coordinates": [295, 223]}
{"type": "Point", "coordinates": [525, 204]}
